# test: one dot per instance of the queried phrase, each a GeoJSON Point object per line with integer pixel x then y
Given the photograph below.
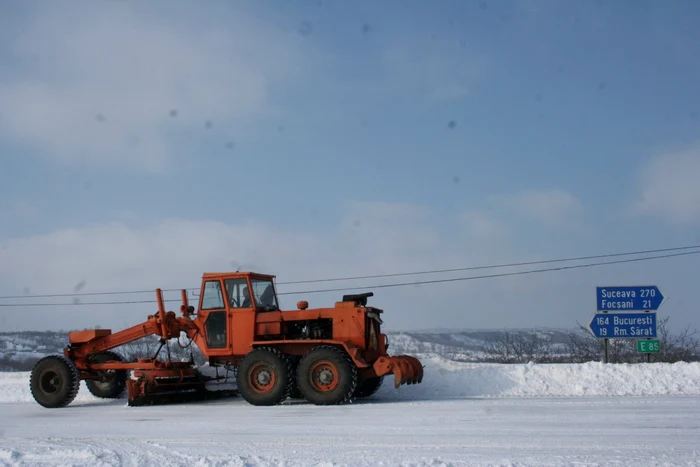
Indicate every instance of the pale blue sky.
{"type": "Point", "coordinates": [344, 160]}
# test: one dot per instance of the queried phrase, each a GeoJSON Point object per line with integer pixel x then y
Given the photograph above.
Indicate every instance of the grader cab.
{"type": "Point", "coordinates": [324, 355]}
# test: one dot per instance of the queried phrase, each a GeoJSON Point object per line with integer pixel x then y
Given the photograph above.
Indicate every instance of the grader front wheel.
{"type": "Point", "coordinates": [54, 381]}
{"type": "Point", "coordinates": [326, 376]}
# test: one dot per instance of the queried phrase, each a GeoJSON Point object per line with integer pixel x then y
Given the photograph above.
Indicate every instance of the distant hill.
{"type": "Point", "coordinates": [476, 345]}
{"type": "Point", "coordinates": [20, 350]}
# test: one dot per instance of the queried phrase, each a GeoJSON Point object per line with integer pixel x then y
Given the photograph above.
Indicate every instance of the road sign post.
{"type": "Point", "coordinates": [618, 316]}
{"type": "Point", "coordinates": [606, 344]}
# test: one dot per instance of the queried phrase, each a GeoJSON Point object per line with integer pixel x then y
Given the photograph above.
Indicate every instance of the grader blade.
{"type": "Point", "coordinates": [167, 386]}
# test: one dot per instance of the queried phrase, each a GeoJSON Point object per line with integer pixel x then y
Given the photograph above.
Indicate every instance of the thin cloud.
{"type": "Point", "coordinates": [669, 187]}
{"type": "Point", "coordinates": [391, 238]}
{"type": "Point", "coordinates": [438, 70]}
{"type": "Point", "coordinates": [553, 207]}
{"type": "Point", "coordinates": [449, 92]}
{"type": "Point", "coordinates": [481, 225]}
{"type": "Point", "coordinates": [173, 253]}
{"type": "Point", "coordinates": [102, 93]}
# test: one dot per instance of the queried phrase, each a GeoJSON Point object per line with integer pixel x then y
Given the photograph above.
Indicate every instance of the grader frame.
{"type": "Point", "coordinates": [323, 355]}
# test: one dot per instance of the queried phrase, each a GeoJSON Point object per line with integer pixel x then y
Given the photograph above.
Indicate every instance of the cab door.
{"type": "Point", "coordinates": [212, 307]}
{"type": "Point", "coordinates": [241, 326]}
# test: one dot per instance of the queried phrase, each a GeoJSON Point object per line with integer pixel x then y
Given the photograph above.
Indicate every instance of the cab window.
{"type": "Point", "coordinates": [215, 324]}
{"type": "Point", "coordinates": [238, 293]}
{"type": "Point", "coordinates": [212, 298]}
{"type": "Point", "coordinates": [265, 294]}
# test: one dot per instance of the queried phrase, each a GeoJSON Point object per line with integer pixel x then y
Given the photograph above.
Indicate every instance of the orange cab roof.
{"type": "Point", "coordinates": [235, 274]}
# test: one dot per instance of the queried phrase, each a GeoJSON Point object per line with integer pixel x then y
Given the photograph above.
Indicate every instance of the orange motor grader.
{"type": "Point", "coordinates": [324, 355]}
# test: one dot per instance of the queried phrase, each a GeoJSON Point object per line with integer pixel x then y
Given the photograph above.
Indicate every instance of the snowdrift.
{"type": "Point", "coordinates": [446, 379]}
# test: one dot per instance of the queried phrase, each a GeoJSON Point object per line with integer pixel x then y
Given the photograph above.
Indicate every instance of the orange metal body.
{"type": "Point", "coordinates": [227, 328]}
{"type": "Point", "coordinates": [78, 337]}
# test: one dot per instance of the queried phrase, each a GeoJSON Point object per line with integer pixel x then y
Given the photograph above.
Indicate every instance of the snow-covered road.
{"type": "Point", "coordinates": [513, 431]}
{"type": "Point", "coordinates": [462, 414]}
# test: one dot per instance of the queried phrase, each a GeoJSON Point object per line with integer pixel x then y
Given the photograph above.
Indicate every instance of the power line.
{"type": "Point", "coordinates": [494, 266]}
{"type": "Point", "coordinates": [405, 284]}
{"type": "Point", "coordinates": [489, 276]}
{"type": "Point", "coordinates": [85, 294]}
{"type": "Point", "coordinates": [125, 302]}
{"type": "Point", "coordinates": [375, 276]}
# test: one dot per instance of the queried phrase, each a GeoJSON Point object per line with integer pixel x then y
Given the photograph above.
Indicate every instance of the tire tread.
{"type": "Point", "coordinates": [361, 392]}
{"type": "Point", "coordinates": [121, 374]}
{"type": "Point", "coordinates": [75, 380]}
{"type": "Point", "coordinates": [348, 396]}
{"type": "Point", "coordinates": [252, 356]}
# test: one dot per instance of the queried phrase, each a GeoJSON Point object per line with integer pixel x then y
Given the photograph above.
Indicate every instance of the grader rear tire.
{"type": "Point", "coordinates": [326, 376]}
{"type": "Point", "coordinates": [368, 387]}
{"type": "Point", "coordinates": [115, 381]}
{"type": "Point", "coordinates": [264, 377]}
{"type": "Point", "coordinates": [54, 381]}
{"type": "Point", "coordinates": [295, 393]}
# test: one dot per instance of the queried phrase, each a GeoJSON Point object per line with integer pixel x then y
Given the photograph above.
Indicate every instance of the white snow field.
{"type": "Point", "coordinates": [462, 414]}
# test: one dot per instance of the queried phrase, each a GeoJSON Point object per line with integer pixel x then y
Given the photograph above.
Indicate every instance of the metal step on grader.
{"type": "Point", "coordinates": [323, 355]}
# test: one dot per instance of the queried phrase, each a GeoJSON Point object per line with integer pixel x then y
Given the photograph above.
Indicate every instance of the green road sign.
{"type": "Point", "coordinates": [648, 346]}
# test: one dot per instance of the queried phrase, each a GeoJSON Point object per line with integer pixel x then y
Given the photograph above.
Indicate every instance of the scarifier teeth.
{"type": "Point", "coordinates": [407, 370]}
{"type": "Point", "coordinates": [417, 368]}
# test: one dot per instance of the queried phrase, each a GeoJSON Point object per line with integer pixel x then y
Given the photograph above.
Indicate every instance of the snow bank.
{"type": "Point", "coordinates": [14, 388]}
{"type": "Point", "coordinates": [446, 379]}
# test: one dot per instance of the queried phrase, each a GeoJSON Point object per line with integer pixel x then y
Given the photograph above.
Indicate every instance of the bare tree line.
{"type": "Point", "coordinates": [506, 347]}
{"type": "Point", "coordinates": [538, 347]}
{"type": "Point", "coordinates": [180, 349]}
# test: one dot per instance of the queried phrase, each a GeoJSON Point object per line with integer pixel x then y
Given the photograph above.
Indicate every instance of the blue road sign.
{"type": "Point", "coordinates": [637, 298]}
{"type": "Point", "coordinates": [623, 325]}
